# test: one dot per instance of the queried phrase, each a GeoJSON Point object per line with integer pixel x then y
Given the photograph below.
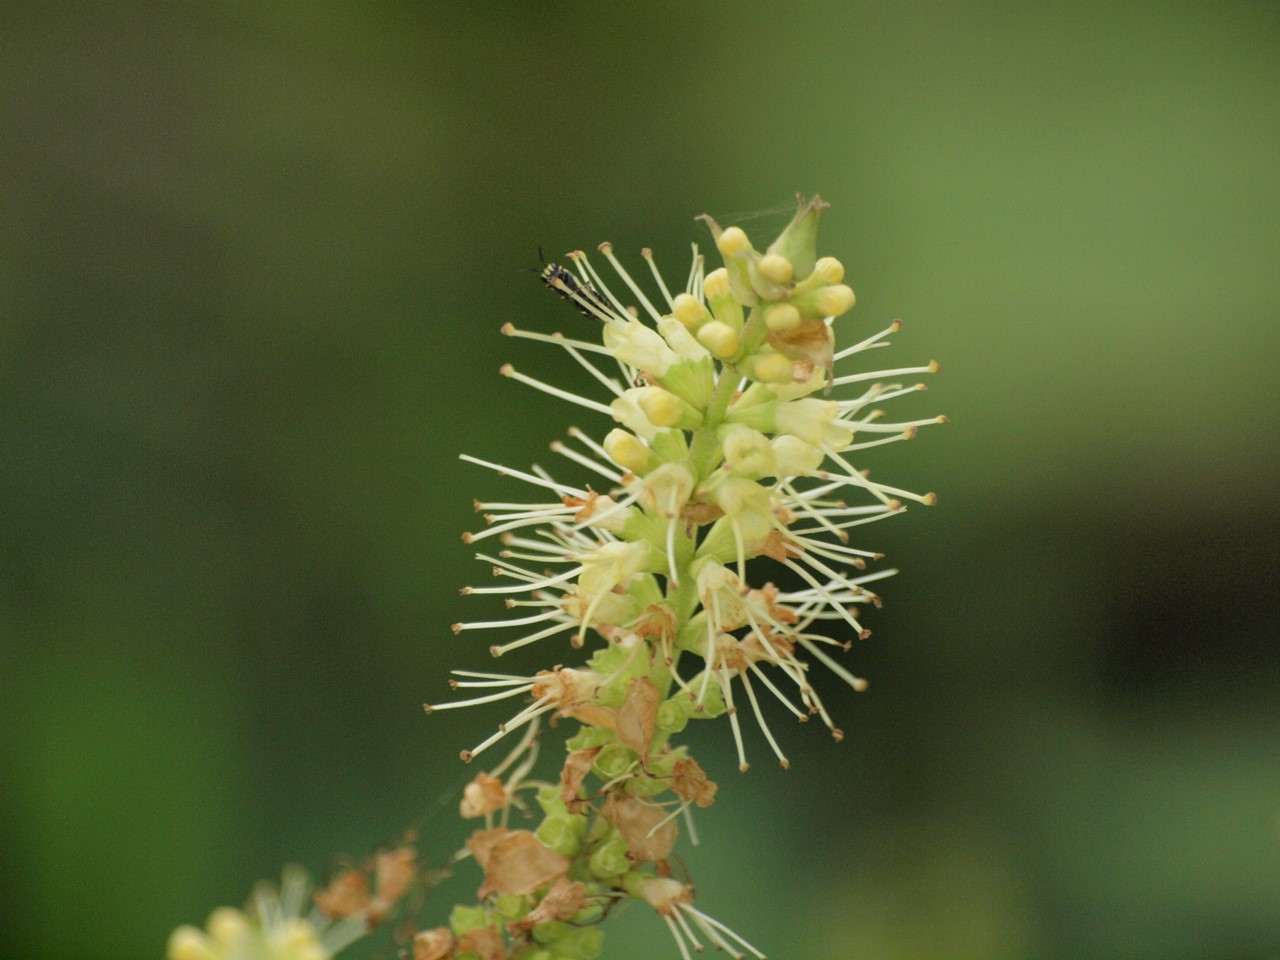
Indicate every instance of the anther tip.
{"type": "Point", "coordinates": [495, 651]}
{"type": "Point", "coordinates": [428, 708]}
{"type": "Point", "coordinates": [934, 366]}
{"type": "Point", "coordinates": [507, 370]}
{"type": "Point", "coordinates": [456, 627]}
{"type": "Point", "coordinates": [837, 734]}
{"type": "Point", "coordinates": [466, 537]}
{"type": "Point", "coordinates": [466, 756]}
{"type": "Point", "coordinates": [784, 763]}
{"type": "Point", "coordinates": [744, 767]}
{"type": "Point", "coordinates": [508, 329]}
{"type": "Point", "coordinates": [606, 248]}
{"type": "Point", "coordinates": [930, 499]}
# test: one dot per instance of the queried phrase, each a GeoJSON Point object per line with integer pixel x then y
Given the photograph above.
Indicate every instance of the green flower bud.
{"type": "Point", "coordinates": [511, 906]}
{"type": "Point", "coordinates": [798, 243]}
{"type": "Point", "coordinates": [613, 760]}
{"type": "Point", "coordinates": [549, 800]}
{"type": "Point", "coordinates": [609, 859]}
{"type": "Point", "coordinates": [583, 943]}
{"type": "Point", "coordinates": [585, 738]}
{"type": "Point", "coordinates": [649, 786]}
{"type": "Point", "coordinates": [562, 834]}
{"type": "Point", "coordinates": [672, 717]}
{"type": "Point", "coordinates": [551, 931]}
{"type": "Point", "coordinates": [465, 919]}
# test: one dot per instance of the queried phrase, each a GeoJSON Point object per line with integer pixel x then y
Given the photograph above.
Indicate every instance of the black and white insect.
{"type": "Point", "coordinates": [585, 298]}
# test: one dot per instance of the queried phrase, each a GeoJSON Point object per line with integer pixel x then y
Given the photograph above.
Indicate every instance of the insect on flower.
{"type": "Point", "coordinates": [582, 294]}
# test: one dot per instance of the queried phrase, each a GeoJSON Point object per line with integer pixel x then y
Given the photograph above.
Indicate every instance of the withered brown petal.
{"type": "Point", "coordinates": [576, 767]}
{"type": "Point", "coordinates": [638, 715]}
{"type": "Point", "coordinates": [565, 898]}
{"type": "Point", "coordinates": [812, 340]}
{"type": "Point", "coordinates": [433, 944]}
{"type": "Point", "coordinates": [346, 895]}
{"type": "Point", "coordinates": [484, 794]}
{"type": "Point", "coordinates": [514, 861]}
{"type": "Point", "coordinates": [394, 871]}
{"type": "Point", "coordinates": [689, 782]}
{"type": "Point", "coordinates": [635, 820]}
{"type": "Point", "coordinates": [485, 942]}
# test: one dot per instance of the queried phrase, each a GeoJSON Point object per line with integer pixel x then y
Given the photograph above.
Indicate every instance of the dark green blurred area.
{"type": "Point", "coordinates": [253, 262]}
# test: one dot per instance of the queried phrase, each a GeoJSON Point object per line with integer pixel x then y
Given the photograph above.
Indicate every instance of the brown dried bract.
{"type": "Point", "coordinates": [586, 507]}
{"type": "Point", "coordinates": [812, 341]}
{"type": "Point", "coordinates": [700, 514]}
{"type": "Point", "coordinates": [638, 715]}
{"type": "Point", "coordinates": [565, 898]}
{"type": "Point", "coordinates": [779, 613]}
{"type": "Point", "coordinates": [576, 767]}
{"type": "Point", "coordinates": [636, 820]}
{"type": "Point", "coordinates": [658, 620]}
{"type": "Point", "coordinates": [434, 944]}
{"type": "Point", "coordinates": [393, 872]}
{"type": "Point", "coordinates": [778, 547]}
{"type": "Point", "coordinates": [346, 895]}
{"type": "Point", "coordinates": [689, 782]}
{"type": "Point", "coordinates": [485, 942]}
{"type": "Point", "coordinates": [484, 794]}
{"type": "Point", "coordinates": [514, 861]}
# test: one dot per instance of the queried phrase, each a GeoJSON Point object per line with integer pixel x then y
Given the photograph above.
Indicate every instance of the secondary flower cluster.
{"type": "Point", "coordinates": [729, 447]}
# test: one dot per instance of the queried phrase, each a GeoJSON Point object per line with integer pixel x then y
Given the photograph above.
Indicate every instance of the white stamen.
{"type": "Point", "coordinates": [587, 462]}
{"type": "Point", "coordinates": [883, 374]}
{"type": "Point", "coordinates": [509, 371]}
{"type": "Point", "coordinates": [561, 489]}
{"type": "Point", "coordinates": [870, 341]}
{"type": "Point", "coordinates": [607, 251]}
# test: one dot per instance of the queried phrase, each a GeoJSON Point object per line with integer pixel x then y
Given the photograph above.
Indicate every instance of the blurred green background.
{"type": "Point", "coordinates": [253, 262]}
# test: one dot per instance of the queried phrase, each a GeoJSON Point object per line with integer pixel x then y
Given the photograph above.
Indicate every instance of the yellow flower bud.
{"type": "Point", "coordinates": [188, 943]}
{"type": "Point", "coordinates": [782, 316]}
{"type": "Point", "coordinates": [835, 300]}
{"type": "Point", "coordinates": [830, 269]}
{"type": "Point", "coordinates": [732, 242]}
{"type": "Point", "coordinates": [775, 267]}
{"type": "Point", "coordinates": [227, 925]}
{"type": "Point", "coordinates": [720, 338]}
{"type": "Point", "coordinates": [626, 450]}
{"type": "Point", "coordinates": [661, 406]}
{"type": "Point", "coordinates": [716, 284]}
{"type": "Point", "coordinates": [688, 310]}
{"type": "Point", "coordinates": [772, 368]}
